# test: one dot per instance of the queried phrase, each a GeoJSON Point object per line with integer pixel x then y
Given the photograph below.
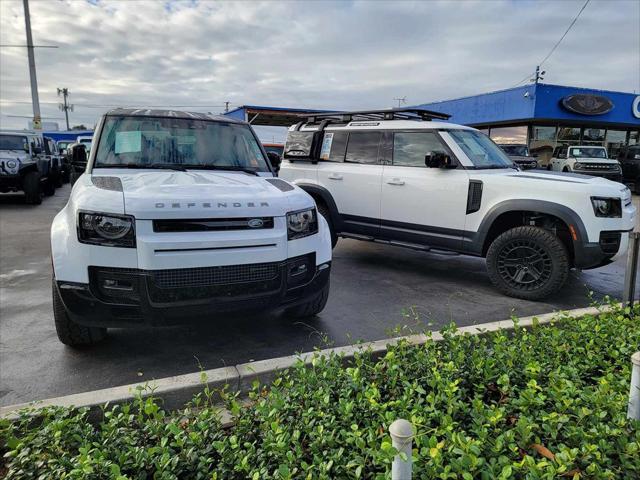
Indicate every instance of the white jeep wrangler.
{"type": "Point", "coordinates": [179, 215]}
{"type": "Point", "coordinates": [402, 178]}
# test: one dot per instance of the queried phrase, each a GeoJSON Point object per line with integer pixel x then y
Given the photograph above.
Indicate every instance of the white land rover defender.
{"type": "Point", "coordinates": [179, 215]}
{"type": "Point", "coordinates": [403, 178]}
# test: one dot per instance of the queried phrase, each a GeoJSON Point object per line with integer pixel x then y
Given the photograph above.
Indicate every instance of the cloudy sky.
{"type": "Point", "coordinates": [334, 55]}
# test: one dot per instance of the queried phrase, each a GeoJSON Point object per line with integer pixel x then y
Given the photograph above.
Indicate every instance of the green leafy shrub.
{"type": "Point", "coordinates": [549, 402]}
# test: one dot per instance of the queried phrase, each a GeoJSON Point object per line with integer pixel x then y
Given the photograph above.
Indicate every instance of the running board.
{"type": "Point", "coordinates": [395, 243]}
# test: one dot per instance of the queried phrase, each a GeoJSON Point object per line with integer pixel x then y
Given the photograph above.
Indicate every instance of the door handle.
{"type": "Point", "coordinates": [335, 176]}
{"type": "Point", "coordinates": [395, 181]}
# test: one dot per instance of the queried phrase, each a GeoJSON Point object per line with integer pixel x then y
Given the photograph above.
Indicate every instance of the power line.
{"type": "Point", "coordinates": [565, 33]}
{"type": "Point", "coordinates": [573, 22]}
{"type": "Point", "coordinates": [95, 105]}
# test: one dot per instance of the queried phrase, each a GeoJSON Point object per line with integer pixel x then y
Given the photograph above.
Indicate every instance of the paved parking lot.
{"type": "Point", "coordinates": [374, 290]}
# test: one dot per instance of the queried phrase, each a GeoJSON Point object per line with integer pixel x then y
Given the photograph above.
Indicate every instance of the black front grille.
{"type": "Point", "coordinates": [224, 275]}
{"type": "Point", "coordinates": [598, 166]}
{"type": "Point", "coordinates": [212, 224]}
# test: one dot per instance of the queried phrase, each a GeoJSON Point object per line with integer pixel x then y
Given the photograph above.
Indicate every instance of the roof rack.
{"type": "Point", "coordinates": [387, 114]}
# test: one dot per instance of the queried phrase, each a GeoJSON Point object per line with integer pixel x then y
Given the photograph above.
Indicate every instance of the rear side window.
{"type": "Point", "coordinates": [410, 148]}
{"type": "Point", "coordinates": [334, 145]}
{"type": "Point", "coordinates": [362, 147]}
{"type": "Point", "coordinates": [298, 145]}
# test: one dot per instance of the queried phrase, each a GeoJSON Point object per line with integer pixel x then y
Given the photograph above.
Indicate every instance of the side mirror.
{"type": "Point", "coordinates": [79, 154]}
{"type": "Point", "coordinates": [25, 147]}
{"type": "Point", "coordinates": [437, 160]}
{"type": "Point", "coordinates": [275, 160]}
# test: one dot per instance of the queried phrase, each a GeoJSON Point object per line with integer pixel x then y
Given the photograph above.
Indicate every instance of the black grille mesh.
{"type": "Point", "coordinates": [224, 275]}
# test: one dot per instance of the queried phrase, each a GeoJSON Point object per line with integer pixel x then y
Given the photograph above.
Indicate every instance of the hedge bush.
{"type": "Point", "coordinates": [548, 402]}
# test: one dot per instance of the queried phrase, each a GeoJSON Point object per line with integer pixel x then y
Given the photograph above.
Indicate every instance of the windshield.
{"type": "Point", "coordinates": [480, 149]}
{"type": "Point", "coordinates": [12, 142]}
{"type": "Point", "coordinates": [515, 150]}
{"type": "Point", "coordinates": [149, 142]}
{"type": "Point", "coordinates": [62, 145]}
{"type": "Point", "coordinates": [588, 152]}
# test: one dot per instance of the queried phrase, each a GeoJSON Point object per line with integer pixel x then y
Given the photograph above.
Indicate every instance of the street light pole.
{"type": "Point", "coordinates": [37, 120]}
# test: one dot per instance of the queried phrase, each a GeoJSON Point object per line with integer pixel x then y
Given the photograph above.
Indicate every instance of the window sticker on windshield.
{"type": "Point", "coordinates": [127, 142]}
{"type": "Point", "coordinates": [326, 146]}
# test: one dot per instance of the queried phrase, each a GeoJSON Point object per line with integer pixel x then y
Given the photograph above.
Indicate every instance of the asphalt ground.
{"type": "Point", "coordinates": [377, 291]}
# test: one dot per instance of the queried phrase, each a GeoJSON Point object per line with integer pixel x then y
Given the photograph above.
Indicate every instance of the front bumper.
{"type": "Point", "coordinates": [611, 244]}
{"type": "Point", "coordinates": [119, 297]}
{"type": "Point", "coordinates": [10, 182]}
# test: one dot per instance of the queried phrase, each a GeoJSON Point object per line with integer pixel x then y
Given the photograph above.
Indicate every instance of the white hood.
{"type": "Point", "coordinates": [202, 194]}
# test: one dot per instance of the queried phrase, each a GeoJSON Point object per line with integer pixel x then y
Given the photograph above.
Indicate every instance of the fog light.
{"type": "Point", "coordinates": [298, 270]}
{"type": "Point", "coordinates": [113, 284]}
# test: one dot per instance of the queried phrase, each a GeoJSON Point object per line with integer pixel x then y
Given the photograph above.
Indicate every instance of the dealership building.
{"type": "Point", "coordinates": [545, 116]}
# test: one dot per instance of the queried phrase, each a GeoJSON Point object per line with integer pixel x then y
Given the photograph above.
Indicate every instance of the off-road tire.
{"type": "Point", "coordinates": [32, 189]}
{"type": "Point", "coordinates": [324, 211]}
{"type": "Point", "coordinates": [69, 332]}
{"type": "Point", "coordinates": [49, 188]}
{"type": "Point", "coordinates": [311, 307]}
{"type": "Point", "coordinates": [553, 255]}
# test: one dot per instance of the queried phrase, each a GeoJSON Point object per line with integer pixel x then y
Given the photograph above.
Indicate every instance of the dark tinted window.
{"type": "Point", "coordinates": [362, 147]}
{"type": "Point", "coordinates": [410, 148]}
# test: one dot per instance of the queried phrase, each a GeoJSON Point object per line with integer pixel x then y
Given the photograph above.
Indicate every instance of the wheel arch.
{"type": "Point", "coordinates": [511, 213]}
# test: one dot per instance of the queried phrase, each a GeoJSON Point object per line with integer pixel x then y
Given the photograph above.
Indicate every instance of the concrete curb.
{"type": "Point", "coordinates": [178, 390]}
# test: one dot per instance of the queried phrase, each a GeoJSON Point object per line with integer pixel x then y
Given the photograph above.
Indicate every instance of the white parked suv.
{"type": "Point", "coordinates": [180, 215]}
{"type": "Point", "coordinates": [403, 178]}
{"type": "Point", "coordinates": [587, 159]}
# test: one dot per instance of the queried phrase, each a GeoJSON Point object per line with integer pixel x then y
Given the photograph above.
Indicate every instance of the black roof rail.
{"type": "Point", "coordinates": [387, 114]}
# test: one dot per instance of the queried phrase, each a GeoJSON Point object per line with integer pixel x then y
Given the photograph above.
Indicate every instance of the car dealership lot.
{"type": "Point", "coordinates": [374, 289]}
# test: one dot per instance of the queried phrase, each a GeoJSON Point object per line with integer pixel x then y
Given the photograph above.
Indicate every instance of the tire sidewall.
{"type": "Point", "coordinates": [550, 243]}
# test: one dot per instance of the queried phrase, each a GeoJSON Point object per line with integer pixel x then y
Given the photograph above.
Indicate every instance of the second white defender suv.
{"type": "Point", "coordinates": [179, 215]}
{"type": "Point", "coordinates": [403, 178]}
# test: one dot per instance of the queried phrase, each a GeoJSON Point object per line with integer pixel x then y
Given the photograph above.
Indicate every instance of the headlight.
{"type": "Point", "coordinates": [607, 207]}
{"type": "Point", "coordinates": [12, 164]}
{"type": "Point", "coordinates": [302, 223]}
{"type": "Point", "coordinates": [577, 166]}
{"type": "Point", "coordinates": [107, 229]}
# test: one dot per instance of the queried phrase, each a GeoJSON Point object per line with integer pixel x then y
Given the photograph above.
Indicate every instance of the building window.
{"type": "Point", "coordinates": [544, 133]}
{"type": "Point", "coordinates": [593, 136]}
{"type": "Point", "coordinates": [616, 139]}
{"type": "Point", "coordinates": [509, 134]}
{"type": "Point", "coordinates": [569, 135]}
{"type": "Point", "coordinates": [634, 138]}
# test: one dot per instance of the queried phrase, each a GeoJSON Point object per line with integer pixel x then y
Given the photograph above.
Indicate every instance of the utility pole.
{"type": "Point", "coordinates": [539, 74]}
{"type": "Point", "coordinates": [401, 100]}
{"type": "Point", "coordinates": [226, 106]}
{"type": "Point", "coordinates": [65, 107]}
{"type": "Point", "coordinates": [37, 120]}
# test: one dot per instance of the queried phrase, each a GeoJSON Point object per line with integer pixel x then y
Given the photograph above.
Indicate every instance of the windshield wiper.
{"type": "Point", "coordinates": [228, 168]}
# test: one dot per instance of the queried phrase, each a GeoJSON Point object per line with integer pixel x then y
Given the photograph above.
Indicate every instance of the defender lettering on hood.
{"type": "Point", "coordinates": [211, 205]}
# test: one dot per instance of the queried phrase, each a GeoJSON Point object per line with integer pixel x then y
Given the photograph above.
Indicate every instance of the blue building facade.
{"type": "Point", "coordinates": [545, 116]}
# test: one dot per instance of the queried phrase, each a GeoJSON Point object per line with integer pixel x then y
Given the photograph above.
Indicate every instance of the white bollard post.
{"type": "Point", "coordinates": [634, 392]}
{"type": "Point", "coordinates": [402, 439]}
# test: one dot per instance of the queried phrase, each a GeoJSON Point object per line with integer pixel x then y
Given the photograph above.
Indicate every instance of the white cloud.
{"type": "Point", "coordinates": [305, 54]}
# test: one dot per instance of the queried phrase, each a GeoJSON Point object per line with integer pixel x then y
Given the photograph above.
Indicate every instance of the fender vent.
{"type": "Point", "coordinates": [474, 197]}
{"type": "Point", "coordinates": [279, 184]}
{"type": "Point", "coordinates": [107, 183]}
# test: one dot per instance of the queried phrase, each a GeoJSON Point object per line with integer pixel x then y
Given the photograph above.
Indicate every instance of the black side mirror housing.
{"type": "Point", "coordinates": [275, 160]}
{"type": "Point", "coordinates": [79, 155]}
{"type": "Point", "coordinates": [438, 160]}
